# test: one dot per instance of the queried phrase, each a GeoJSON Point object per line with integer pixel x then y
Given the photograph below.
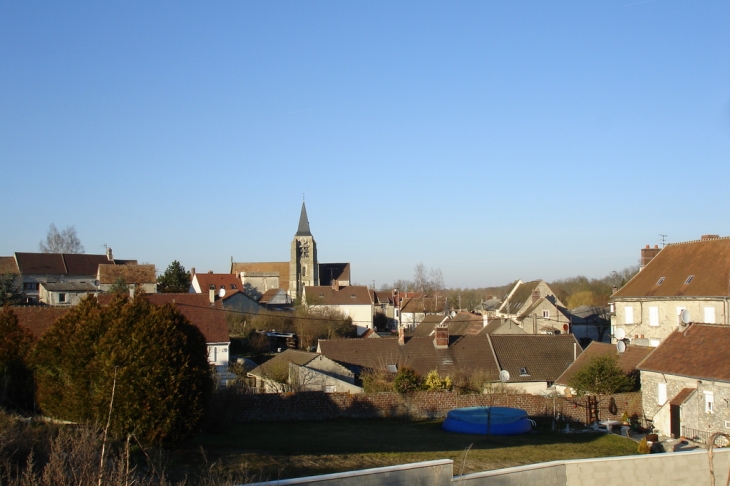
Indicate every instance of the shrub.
{"type": "Point", "coordinates": [407, 380]}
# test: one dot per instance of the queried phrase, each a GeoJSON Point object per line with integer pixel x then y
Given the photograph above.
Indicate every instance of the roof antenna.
{"type": "Point", "coordinates": [664, 239]}
{"type": "Point", "coordinates": [302, 197]}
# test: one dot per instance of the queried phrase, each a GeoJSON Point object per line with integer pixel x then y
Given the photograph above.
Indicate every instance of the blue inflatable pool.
{"type": "Point", "coordinates": [487, 420]}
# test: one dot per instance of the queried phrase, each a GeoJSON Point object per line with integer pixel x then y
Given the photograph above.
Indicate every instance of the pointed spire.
{"type": "Point", "coordinates": [303, 229]}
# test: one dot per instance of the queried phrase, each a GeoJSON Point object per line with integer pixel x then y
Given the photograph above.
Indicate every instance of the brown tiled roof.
{"type": "Point", "coordinates": [39, 318]}
{"type": "Point", "coordinates": [132, 274]}
{"type": "Point", "coordinates": [419, 353]}
{"type": "Point", "coordinates": [545, 356]}
{"type": "Point", "coordinates": [83, 264]}
{"type": "Point", "coordinates": [41, 263]}
{"type": "Point", "coordinates": [699, 352]}
{"type": "Point", "coordinates": [682, 396]}
{"type": "Point", "coordinates": [282, 268]}
{"type": "Point", "coordinates": [707, 260]}
{"type": "Point", "coordinates": [521, 295]}
{"type": "Point", "coordinates": [419, 304]}
{"type": "Point", "coordinates": [295, 356]}
{"type": "Point", "coordinates": [333, 271]}
{"type": "Point", "coordinates": [628, 360]}
{"type": "Point", "coordinates": [8, 266]}
{"type": "Point", "coordinates": [351, 295]}
{"type": "Point", "coordinates": [210, 319]}
{"type": "Point", "coordinates": [463, 323]}
{"type": "Point", "coordinates": [226, 281]}
{"type": "Point", "coordinates": [268, 295]}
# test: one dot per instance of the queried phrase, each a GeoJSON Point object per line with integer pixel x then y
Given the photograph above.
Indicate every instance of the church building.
{"type": "Point", "coordinates": [302, 270]}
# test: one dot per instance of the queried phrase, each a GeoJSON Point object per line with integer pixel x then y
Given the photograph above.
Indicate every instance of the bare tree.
{"type": "Point", "coordinates": [65, 241]}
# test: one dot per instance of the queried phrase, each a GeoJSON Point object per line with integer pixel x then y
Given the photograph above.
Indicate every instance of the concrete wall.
{"type": "Point", "coordinates": [665, 469]}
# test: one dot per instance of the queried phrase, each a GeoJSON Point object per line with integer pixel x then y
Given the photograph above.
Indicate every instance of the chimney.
{"type": "Point", "coordinates": [535, 295]}
{"type": "Point", "coordinates": [401, 336]}
{"type": "Point", "coordinates": [648, 254]}
{"type": "Point", "coordinates": [709, 237]}
{"type": "Point", "coordinates": [441, 340]}
{"type": "Point", "coordinates": [335, 285]}
{"type": "Point", "coordinates": [210, 272]}
{"type": "Point", "coordinates": [192, 272]}
{"type": "Point", "coordinates": [211, 293]}
{"type": "Point", "coordinates": [109, 255]}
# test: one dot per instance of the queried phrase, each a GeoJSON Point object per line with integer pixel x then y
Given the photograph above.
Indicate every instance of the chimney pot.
{"type": "Point", "coordinates": [656, 247]}
{"type": "Point", "coordinates": [648, 246]}
{"type": "Point", "coordinates": [709, 237]}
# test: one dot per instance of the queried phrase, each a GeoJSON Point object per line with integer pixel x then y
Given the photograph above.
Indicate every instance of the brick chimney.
{"type": "Point", "coordinates": [192, 272]}
{"type": "Point", "coordinates": [648, 254]}
{"type": "Point", "coordinates": [401, 336]}
{"type": "Point", "coordinates": [441, 339]}
{"type": "Point", "coordinates": [211, 293]}
{"type": "Point", "coordinates": [109, 255]}
{"type": "Point", "coordinates": [709, 237]}
{"type": "Point", "coordinates": [535, 295]}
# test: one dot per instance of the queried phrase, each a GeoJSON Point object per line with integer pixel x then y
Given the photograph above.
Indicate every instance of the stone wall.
{"type": "Point", "coordinates": [419, 405]}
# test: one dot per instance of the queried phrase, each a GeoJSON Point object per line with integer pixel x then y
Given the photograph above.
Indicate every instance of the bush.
{"type": "Point", "coordinates": [407, 380]}
{"type": "Point", "coordinates": [434, 382]}
{"type": "Point", "coordinates": [16, 379]}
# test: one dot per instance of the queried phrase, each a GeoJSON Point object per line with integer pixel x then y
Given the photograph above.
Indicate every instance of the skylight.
{"type": "Point", "coordinates": [523, 372]}
{"type": "Point", "coordinates": [659, 282]}
{"type": "Point", "coordinates": [689, 279]}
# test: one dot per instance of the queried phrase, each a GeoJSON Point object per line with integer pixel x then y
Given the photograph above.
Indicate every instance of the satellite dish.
{"type": "Point", "coordinates": [684, 315]}
{"type": "Point", "coordinates": [222, 293]}
{"type": "Point", "coordinates": [566, 327]}
{"type": "Point", "coordinates": [621, 346]}
{"type": "Point", "coordinates": [504, 376]}
{"type": "Point", "coordinates": [619, 333]}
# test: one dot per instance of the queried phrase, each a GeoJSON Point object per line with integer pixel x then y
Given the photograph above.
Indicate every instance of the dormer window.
{"type": "Point", "coordinates": [689, 279]}
{"type": "Point", "coordinates": [659, 282]}
{"type": "Point", "coordinates": [233, 286]}
{"type": "Point", "coordinates": [352, 296]}
{"type": "Point", "coordinates": [523, 372]}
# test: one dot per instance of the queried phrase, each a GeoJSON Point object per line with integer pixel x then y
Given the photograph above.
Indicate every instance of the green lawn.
{"type": "Point", "coordinates": [277, 450]}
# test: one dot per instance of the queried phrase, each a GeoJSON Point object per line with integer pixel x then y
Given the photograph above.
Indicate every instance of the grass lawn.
{"type": "Point", "coordinates": [278, 450]}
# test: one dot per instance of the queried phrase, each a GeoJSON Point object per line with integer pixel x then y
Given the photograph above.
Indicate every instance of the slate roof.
{"type": "Point", "coordinates": [41, 263]}
{"type": "Point", "coordinates": [83, 264]}
{"type": "Point", "coordinates": [209, 318]}
{"type": "Point", "coordinates": [132, 274]}
{"type": "Point", "coordinates": [8, 266]}
{"type": "Point", "coordinates": [303, 228]}
{"type": "Point", "coordinates": [700, 352]}
{"type": "Point", "coordinates": [707, 260]}
{"type": "Point", "coordinates": [39, 318]}
{"type": "Point", "coordinates": [351, 295]}
{"type": "Point", "coordinates": [381, 297]}
{"type": "Point", "coordinates": [628, 360]}
{"type": "Point", "coordinates": [333, 271]}
{"type": "Point", "coordinates": [544, 356]}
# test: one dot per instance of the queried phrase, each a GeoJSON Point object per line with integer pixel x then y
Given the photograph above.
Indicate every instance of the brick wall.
{"type": "Point", "coordinates": [326, 406]}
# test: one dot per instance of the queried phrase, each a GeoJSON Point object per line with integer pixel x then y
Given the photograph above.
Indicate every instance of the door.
{"type": "Point", "coordinates": [674, 421]}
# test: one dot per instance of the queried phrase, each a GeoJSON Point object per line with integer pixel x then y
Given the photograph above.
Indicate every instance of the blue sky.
{"type": "Point", "coordinates": [494, 140]}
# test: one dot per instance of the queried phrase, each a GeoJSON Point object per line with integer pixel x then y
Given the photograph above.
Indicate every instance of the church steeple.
{"type": "Point", "coordinates": [303, 229]}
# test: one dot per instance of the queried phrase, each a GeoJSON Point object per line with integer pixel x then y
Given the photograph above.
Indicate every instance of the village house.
{"type": "Point", "coordinates": [685, 382]}
{"type": "Point", "coordinates": [690, 276]}
{"type": "Point", "coordinates": [535, 308]}
{"type": "Point", "coordinates": [352, 301]}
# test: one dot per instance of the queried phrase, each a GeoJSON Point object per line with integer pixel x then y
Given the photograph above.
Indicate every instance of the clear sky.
{"type": "Point", "coordinates": [494, 140]}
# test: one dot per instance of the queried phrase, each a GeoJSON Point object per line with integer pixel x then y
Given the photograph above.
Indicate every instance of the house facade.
{"type": "Point", "coordinates": [690, 276]}
{"type": "Point", "coordinates": [685, 382]}
{"type": "Point", "coordinates": [353, 301]}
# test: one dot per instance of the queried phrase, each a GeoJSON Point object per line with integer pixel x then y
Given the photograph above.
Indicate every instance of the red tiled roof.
{"type": "Point", "coordinates": [226, 281]}
{"type": "Point", "coordinates": [707, 260]}
{"type": "Point", "coordinates": [210, 319]}
{"type": "Point", "coordinates": [39, 318]}
{"type": "Point", "coordinates": [699, 352]}
{"type": "Point", "coordinates": [628, 360]}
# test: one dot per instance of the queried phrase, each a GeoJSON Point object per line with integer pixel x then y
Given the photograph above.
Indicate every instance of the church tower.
{"type": "Point", "coordinates": [303, 266]}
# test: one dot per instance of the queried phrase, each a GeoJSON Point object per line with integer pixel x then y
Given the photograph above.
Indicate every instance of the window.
{"type": "Point", "coordinates": [304, 271]}
{"type": "Point", "coordinates": [653, 316]}
{"type": "Point", "coordinates": [689, 279]}
{"type": "Point", "coordinates": [329, 388]}
{"type": "Point", "coordinates": [661, 393]}
{"type": "Point", "coordinates": [660, 281]}
{"type": "Point", "coordinates": [62, 297]}
{"type": "Point", "coordinates": [709, 402]}
{"type": "Point", "coordinates": [31, 286]}
{"type": "Point", "coordinates": [546, 314]}
{"type": "Point", "coordinates": [629, 314]}
{"type": "Point", "coordinates": [233, 286]}
{"type": "Point", "coordinates": [709, 315]}
{"type": "Point", "coordinates": [523, 372]}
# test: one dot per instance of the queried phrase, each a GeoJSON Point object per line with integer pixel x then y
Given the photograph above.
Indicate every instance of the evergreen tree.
{"type": "Point", "coordinates": [9, 290]}
{"type": "Point", "coordinates": [174, 280]}
{"type": "Point", "coordinates": [602, 375]}
{"type": "Point", "coordinates": [16, 380]}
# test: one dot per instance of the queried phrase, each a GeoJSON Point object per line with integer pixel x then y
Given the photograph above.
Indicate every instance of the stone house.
{"type": "Point", "coordinates": [294, 370]}
{"type": "Point", "coordinates": [352, 301]}
{"type": "Point", "coordinates": [535, 308]}
{"type": "Point", "coordinates": [65, 293]}
{"type": "Point", "coordinates": [690, 276]}
{"type": "Point", "coordinates": [685, 382]}
{"type": "Point", "coordinates": [415, 306]}
{"type": "Point", "coordinates": [136, 276]}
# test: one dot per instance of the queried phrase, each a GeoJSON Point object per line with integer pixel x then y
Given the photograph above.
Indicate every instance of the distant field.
{"type": "Point", "coordinates": [278, 450]}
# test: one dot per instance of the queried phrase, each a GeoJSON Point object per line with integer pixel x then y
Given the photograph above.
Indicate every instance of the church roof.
{"type": "Point", "coordinates": [303, 229]}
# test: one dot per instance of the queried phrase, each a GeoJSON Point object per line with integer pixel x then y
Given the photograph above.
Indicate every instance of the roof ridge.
{"type": "Point", "coordinates": [697, 241]}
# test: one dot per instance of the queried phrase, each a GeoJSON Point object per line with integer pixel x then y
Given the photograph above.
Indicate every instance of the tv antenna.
{"type": "Point", "coordinates": [664, 239]}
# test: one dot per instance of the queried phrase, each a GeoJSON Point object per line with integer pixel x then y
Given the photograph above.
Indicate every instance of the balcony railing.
{"type": "Point", "coordinates": [703, 436]}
